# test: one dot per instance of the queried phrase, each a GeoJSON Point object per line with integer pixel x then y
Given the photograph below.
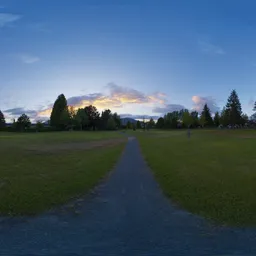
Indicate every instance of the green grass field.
{"type": "Point", "coordinates": [212, 174]}
{"type": "Point", "coordinates": [39, 171]}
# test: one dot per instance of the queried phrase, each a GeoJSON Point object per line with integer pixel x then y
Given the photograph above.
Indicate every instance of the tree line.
{"type": "Point", "coordinates": [231, 115]}
{"type": "Point", "coordinates": [64, 117]}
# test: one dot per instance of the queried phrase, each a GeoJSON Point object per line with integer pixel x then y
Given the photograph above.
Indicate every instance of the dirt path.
{"type": "Point", "coordinates": [126, 215]}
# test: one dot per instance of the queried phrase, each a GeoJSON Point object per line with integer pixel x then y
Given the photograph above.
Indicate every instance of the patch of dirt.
{"type": "Point", "coordinates": [74, 146]}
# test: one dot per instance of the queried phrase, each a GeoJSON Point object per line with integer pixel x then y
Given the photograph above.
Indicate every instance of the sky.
{"type": "Point", "coordinates": [136, 57]}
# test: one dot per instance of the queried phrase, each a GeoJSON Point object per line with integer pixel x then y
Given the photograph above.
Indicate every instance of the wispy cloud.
{"type": "Point", "coordinates": [8, 18]}
{"type": "Point", "coordinates": [117, 97]}
{"type": "Point", "coordinates": [200, 101]}
{"type": "Point", "coordinates": [209, 48]}
{"type": "Point", "coordinates": [19, 111]}
{"type": "Point", "coordinates": [28, 59]}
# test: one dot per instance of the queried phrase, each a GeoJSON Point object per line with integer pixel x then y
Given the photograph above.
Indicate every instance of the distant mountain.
{"type": "Point", "coordinates": [125, 120]}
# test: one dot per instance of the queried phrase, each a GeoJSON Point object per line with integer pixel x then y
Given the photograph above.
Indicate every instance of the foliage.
{"type": "Point", "coordinates": [81, 119]}
{"type": "Point", "coordinates": [117, 120]}
{"type": "Point", "coordinates": [244, 118]}
{"type": "Point", "coordinates": [39, 126]}
{"type": "Point", "coordinates": [2, 120]}
{"type": "Point", "coordinates": [224, 117]}
{"type": "Point", "coordinates": [234, 109]}
{"type": "Point", "coordinates": [216, 119]}
{"type": "Point", "coordinates": [105, 116]}
{"type": "Point", "coordinates": [160, 123]}
{"type": "Point", "coordinates": [207, 116]}
{"type": "Point", "coordinates": [187, 119]}
{"type": "Point", "coordinates": [254, 108]}
{"type": "Point", "coordinates": [151, 123]}
{"type": "Point", "coordinates": [22, 123]}
{"type": "Point", "coordinates": [195, 118]}
{"type": "Point", "coordinates": [202, 120]}
{"type": "Point", "coordinates": [111, 124]}
{"type": "Point", "coordinates": [59, 106]}
{"type": "Point", "coordinates": [65, 119]}
{"type": "Point", "coordinates": [93, 116]}
{"type": "Point", "coordinates": [171, 119]}
{"type": "Point", "coordinates": [138, 124]}
{"type": "Point", "coordinates": [129, 125]}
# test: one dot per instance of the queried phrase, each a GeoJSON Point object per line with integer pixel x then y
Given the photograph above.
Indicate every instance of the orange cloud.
{"type": "Point", "coordinates": [117, 97]}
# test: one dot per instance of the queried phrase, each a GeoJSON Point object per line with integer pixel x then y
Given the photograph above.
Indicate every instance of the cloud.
{"type": "Point", "coordinates": [19, 111]}
{"type": "Point", "coordinates": [28, 59]}
{"type": "Point", "coordinates": [209, 48]}
{"type": "Point", "coordinates": [117, 97]}
{"type": "Point", "coordinates": [129, 95]}
{"type": "Point", "coordinates": [146, 117]}
{"type": "Point", "coordinates": [168, 108]}
{"type": "Point", "coordinates": [8, 18]}
{"type": "Point", "coordinates": [199, 103]}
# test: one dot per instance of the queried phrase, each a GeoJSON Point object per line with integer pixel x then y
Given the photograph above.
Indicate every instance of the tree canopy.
{"type": "Point", "coordinates": [233, 109]}
{"type": "Point", "coordinates": [2, 120]}
{"type": "Point", "coordinates": [207, 116]}
{"type": "Point", "coordinates": [23, 122]}
{"type": "Point", "coordinates": [57, 114]}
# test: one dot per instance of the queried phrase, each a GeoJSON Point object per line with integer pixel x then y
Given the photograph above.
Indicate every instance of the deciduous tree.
{"type": "Point", "coordinates": [111, 124]}
{"type": "Point", "coordinates": [93, 116]}
{"type": "Point", "coordinates": [23, 122]}
{"type": "Point", "coordinates": [160, 123]}
{"type": "Point", "coordinates": [187, 119]}
{"type": "Point", "coordinates": [195, 119]}
{"type": "Point", "coordinates": [39, 126]}
{"type": "Point", "coordinates": [81, 119]}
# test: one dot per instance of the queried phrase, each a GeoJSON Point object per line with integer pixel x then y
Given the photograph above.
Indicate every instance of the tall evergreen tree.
{"type": "Point", "coordinates": [254, 108]}
{"type": "Point", "coordinates": [216, 119]}
{"type": "Point", "coordinates": [59, 106]}
{"type": "Point", "coordinates": [224, 117]}
{"type": "Point", "coordinates": [2, 120]}
{"type": "Point", "coordinates": [234, 109]}
{"type": "Point", "coordinates": [207, 116]}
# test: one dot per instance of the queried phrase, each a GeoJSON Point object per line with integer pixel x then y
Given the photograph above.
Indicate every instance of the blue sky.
{"type": "Point", "coordinates": [135, 57]}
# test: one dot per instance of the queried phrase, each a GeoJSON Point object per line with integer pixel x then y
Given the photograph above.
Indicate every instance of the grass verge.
{"type": "Point", "coordinates": [213, 174]}
{"type": "Point", "coordinates": [32, 182]}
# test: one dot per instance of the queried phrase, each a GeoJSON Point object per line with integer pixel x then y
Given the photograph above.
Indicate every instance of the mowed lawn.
{"type": "Point", "coordinates": [41, 170]}
{"type": "Point", "coordinates": [212, 174]}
